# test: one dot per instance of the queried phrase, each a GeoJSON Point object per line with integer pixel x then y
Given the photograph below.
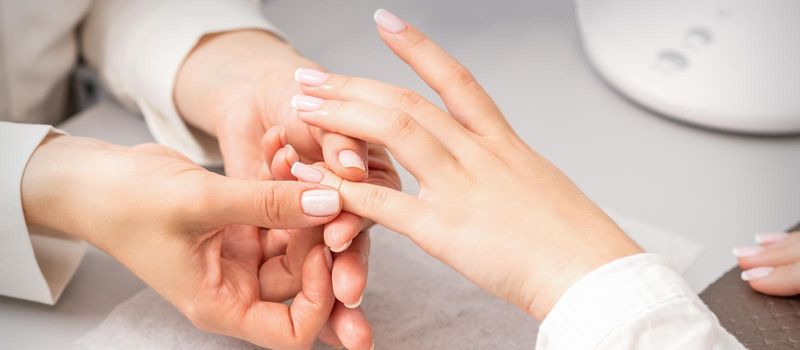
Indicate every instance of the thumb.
{"type": "Point", "coordinates": [275, 204]}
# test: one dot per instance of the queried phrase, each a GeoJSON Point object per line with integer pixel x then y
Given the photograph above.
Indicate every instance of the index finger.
{"type": "Point", "coordinates": [466, 100]}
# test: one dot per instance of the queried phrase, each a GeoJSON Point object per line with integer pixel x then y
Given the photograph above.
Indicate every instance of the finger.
{"type": "Point", "coordinates": [782, 253]}
{"type": "Point", "coordinates": [345, 156]}
{"type": "Point", "coordinates": [351, 327]}
{"type": "Point", "coordinates": [329, 337]}
{"type": "Point", "coordinates": [270, 204]}
{"type": "Point", "coordinates": [345, 88]}
{"type": "Point", "coordinates": [276, 325]}
{"type": "Point", "coordinates": [783, 280]}
{"type": "Point", "coordinates": [411, 144]}
{"type": "Point", "coordinates": [282, 163]}
{"type": "Point", "coordinates": [274, 242]}
{"type": "Point", "coordinates": [280, 276]}
{"type": "Point", "coordinates": [350, 270]}
{"type": "Point", "coordinates": [241, 153]}
{"type": "Point", "coordinates": [466, 100]}
{"type": "Point", "coordinates": [340, 232]}
{"type": "Point", "coordinates": [391, 208]}
{"type": "Point", "coordinates": [271, 143]}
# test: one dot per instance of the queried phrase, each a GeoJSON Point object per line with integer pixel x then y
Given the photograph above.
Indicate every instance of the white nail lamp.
{"type": "Point", "coordinates": [732, 65]}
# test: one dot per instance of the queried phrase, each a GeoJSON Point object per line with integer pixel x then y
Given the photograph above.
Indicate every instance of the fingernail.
{"type": "Point", "coordinates": [306, 103]}
{"type": "Point", "coordinates": [328, 258]}
{"type": "Point", "coordinates": [389, 22]}
{"type": "Point", "coordinates": [320, 202]}
{"type": "Point", "coordinates": [771, 237]}
{"type": "Point", "coordinates": [756, 273]}
{"type": "Point", "coordinates": [343, 247]}
{"type": "Point", "coordinates": [350, 159]}
{"type": "Point", "coordinates": [741, 252]}
{"type": "Point", "coordinates": [310, 76]}
{"type": "Point", "coordinates": [306, 173]}
{"type": "Point", "coordinates": [356, 304]}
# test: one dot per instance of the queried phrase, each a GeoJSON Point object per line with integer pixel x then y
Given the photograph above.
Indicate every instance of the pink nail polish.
{"type": "Point", "coordinates": [306, 103]}
{"type": "Point", "coordinates": [306, 173]}
{"type": "Point", "coordinates": [389, 22]}
{"type": "Point", "coordinates": [350, 159]}
{"type": "Point", "coordinates": [310, 76]}
{"type": "Point", "coordinates": [328, 258]}
{"type": "Point", "coordinates": [756, 273]}
{"type": "Point", "coordinates": [741, 252]}
{"type": "Point", "coordinates": [771, 237]}
{"type": "Point", "coordinates": [320, 202]}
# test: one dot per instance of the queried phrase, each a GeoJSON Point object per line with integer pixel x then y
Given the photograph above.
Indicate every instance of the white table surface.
{"type": "Point", "coordinates": [716, 189]}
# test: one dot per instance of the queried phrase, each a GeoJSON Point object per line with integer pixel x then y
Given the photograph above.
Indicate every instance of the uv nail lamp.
{"type": "Point", "coordinates": [732, 65]}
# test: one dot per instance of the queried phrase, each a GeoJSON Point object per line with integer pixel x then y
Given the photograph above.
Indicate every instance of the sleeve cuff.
{"type": "Point", "coordinates": [164, 40]}
{"type": "Point", "coordinates": [609, 298]}
{"type": "Point", "coordinates": [38, 266]}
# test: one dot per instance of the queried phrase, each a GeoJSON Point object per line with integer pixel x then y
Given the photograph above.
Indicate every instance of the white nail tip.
{"type": "Point", "coordinates": [356, 304]}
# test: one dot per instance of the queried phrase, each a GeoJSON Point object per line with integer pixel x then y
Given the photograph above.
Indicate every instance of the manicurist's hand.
{"type": "Point", "coordinates": [488, 205]}
{"type": "Point", "coordinates": [238, 85]}
{"type": "Point", "coordinates": [168, 220]}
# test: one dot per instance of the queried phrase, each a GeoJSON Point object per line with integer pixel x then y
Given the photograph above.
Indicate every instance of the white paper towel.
{"type": "Point", "coordinates": [413, 302]}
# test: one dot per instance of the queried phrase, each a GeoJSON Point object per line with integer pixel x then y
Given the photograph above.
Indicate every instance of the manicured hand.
{"type": "Point", "coordinates": [773, 265]}
{"type": "Point", "coordinates": [174, 225]}
{"type": "Point", "coordinates": [488, 205]}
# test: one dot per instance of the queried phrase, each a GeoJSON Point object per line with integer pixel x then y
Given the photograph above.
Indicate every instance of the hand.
{"type": "Point", "coordinates": [168, 221]}
{"type": "Point", "coordinates": [236, 86]}
{"type": "Point", "coordinates": [284, 249]}
{"type": "Point", "coordinates": [773, 266]}
{"type": "Point", "coordinates": [488, 206]}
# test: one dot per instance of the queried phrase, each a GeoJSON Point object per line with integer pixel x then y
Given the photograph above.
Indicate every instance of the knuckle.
{"type": "Point", "coordinates": [402, 125]}
{"type": "Point", "coordinates": [345, 84]}
{"type": "Point", "coordinates": [269, 206]}
{"type": "Point", "coordinates": [403, 98]}
{"type": "Point", "coordinates": [375, 197]}
{"type": "Point", "coordinates": [461, 75]}
{"type": "Point", "coordinates": [421, 41]}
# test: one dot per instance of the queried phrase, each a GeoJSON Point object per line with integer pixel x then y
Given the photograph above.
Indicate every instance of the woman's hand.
{"type": "Point", "coordinates": [236, 86]}
{"type": "Point", "coordinates": [488, 205]}
{"type": "Point", "coordinates": [170, 222]}
{"type": "Point", "coordinates": [773, 266]}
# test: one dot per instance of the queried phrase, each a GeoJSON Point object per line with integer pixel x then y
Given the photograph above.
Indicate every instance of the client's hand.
{"type": "Point", "coordinates": [773, 266]}
{"type": "Point", "coordinates": [167, 220]}
{"type": "Point", "coordinates": [489, 206]}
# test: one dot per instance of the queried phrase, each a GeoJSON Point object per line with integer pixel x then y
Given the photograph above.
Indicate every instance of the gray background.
{"type": "Point", "coordinates": [713, 188]}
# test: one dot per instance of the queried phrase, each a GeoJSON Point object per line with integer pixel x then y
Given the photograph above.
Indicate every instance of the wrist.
{"type": "Point", "coordinates": [54, 180]}
{"type": "Point", "coordinates": [554, 272]}
{"type": "Point", "coordinates": [228, 75]}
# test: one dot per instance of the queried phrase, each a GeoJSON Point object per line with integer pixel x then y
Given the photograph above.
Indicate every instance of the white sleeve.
{"type": "Point", "coordinates": [138, 47]}
{"type": "Point", "coordinates": [32, 266]}
{"type": "Point", "coordinates": [636, 302]}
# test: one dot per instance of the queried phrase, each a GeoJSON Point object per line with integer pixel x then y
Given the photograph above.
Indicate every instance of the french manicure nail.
{"type": "Point", "coordinates": [389, 22]}
{"type": "Point", "coordinates": [306, 173]}
{"type": "Point", "coordinates": [306, 103]}
{"type": "Point", "coordinates": [328, 258]}
{"type": "Point", "coordinates": [343, 247]}
{"type": "Point", "coordinates": [741, 252]}
{"type": "Point", "coordinates": [310, 76]}
{"type": "Point", "coordinates": [756, 273]}
{"type": "Point", "coordinates": [356, 304]}
{"type": "Point", "coordinates": [350, 159]}
{"type": "Point", "coordinates": [320, 202]}
{"type": "Point", "coordinates": [771, 237]}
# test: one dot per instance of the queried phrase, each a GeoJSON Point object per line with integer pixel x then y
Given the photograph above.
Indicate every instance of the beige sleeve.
{"type": "Point", "coordinates": [138, 47]}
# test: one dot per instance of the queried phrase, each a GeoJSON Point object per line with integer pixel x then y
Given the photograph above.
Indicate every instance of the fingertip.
{"type": "Point", "coordinates": [352, 327]}
{"type": "Point", "coordinates": [339, 233]}
{"type": "Point", "coordinates": [349, 278]}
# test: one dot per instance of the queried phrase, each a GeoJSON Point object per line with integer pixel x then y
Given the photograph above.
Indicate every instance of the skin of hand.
{"type": "Point", "coordinates": [348, 326]}
{"type": "Point", "coordinates": [773, 265]}
{"type": "Point", "coordinates": [489, 206]}
{"type": "Point", "coordinates": [237, 85]}
{"type": "Point", "coordinates": [166, 219]}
